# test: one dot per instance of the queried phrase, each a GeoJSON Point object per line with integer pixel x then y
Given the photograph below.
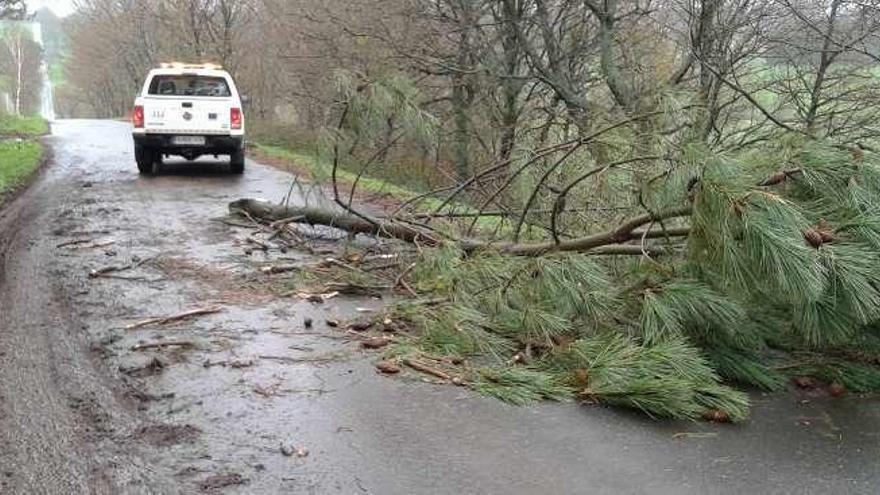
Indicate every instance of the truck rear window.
{"type": "Point", "coordinates": [189, 86]}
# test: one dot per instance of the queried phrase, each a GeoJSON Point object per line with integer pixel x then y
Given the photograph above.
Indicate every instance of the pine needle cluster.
{"type": "Point", "coordinates": [783, 261]}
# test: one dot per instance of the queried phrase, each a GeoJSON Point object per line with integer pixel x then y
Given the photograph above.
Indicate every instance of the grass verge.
{"type": "Point", "coordinates": [18, 160]}
{"type": "Point", "coordinates": [23, 126]}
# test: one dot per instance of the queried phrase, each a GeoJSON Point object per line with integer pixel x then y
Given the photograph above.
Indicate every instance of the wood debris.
{"type": "Point", "coordinates": [174, 318]}
{"type": "Point", "coordinates": [424, 368]}
{"type": "Point", "coordinates": [162, 345]}
{"type": "Point", "coordinates": [86, 244]}
{"type": "Point", "coordinates": [317, 298]}
{"type": "Point", "coordinates": [105, 271]}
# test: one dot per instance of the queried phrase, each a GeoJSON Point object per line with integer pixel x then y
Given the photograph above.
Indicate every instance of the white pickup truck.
{"type": "Point", "coordinates": [190, 111]}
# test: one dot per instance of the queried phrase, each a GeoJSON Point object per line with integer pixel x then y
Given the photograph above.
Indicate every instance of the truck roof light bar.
{"type": "Point", "coordinates": [187, 66]}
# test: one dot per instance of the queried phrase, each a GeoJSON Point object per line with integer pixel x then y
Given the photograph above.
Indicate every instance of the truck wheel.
{"type": "Point", "coordinates": [157, 162]}
{"type": "Point", "coordinates": [236, 161]}
{"type": "Point", "coordinates": [144, 158]}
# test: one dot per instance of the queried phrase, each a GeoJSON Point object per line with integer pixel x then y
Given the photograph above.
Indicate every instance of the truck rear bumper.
{"type": "Point", "coordinates": [220, 145]}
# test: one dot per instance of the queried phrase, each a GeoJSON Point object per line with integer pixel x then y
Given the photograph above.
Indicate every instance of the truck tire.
{"type": "Point", "coordinates": [158, 161]}
{"type": "Point", "coordinates": [144, 158]}
{"type": "Point", "coordinates": [236, 161]}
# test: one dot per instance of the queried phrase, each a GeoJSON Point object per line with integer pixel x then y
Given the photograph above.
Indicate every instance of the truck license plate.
{"type": "Point", "coordinates": [188, 140]}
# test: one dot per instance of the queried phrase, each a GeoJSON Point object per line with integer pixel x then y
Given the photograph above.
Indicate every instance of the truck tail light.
{"type": "Point", "coordinates": [235, 120]}
{"type": "Point", "coordinates": [137, 117]}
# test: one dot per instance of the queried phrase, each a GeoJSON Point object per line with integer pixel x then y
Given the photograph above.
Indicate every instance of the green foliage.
{"type": "Point", "coordinates": [684, 307]}
{"type": "Point", "coordinates": [752, 239]}
{"type": "Point", "coordinates": [462, 331]}
{"type": "Point", "coordinates": [526, 300]}
{"type": "Point", "coordinates": [772, 271]}
{"type": "Point", "coordinates": [667, 379]}
{"type": "Point", "coordinates": [522, 386]}
{"type": "Point", "coordinates": [746, 367]}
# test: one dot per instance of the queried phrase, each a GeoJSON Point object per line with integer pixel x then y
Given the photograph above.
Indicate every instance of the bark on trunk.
{"type": "Point", "coordinates": [330, 218]}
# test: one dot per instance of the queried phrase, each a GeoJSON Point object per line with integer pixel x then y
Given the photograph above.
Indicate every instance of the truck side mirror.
{"type": "Point", "coordinates": [245, 100]}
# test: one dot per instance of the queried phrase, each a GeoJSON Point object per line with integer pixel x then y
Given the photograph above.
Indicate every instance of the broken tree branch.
{"type": "Point", "coordinates": [610, 241]}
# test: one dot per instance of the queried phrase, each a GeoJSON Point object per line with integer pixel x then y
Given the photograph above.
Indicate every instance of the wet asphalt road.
{"type": "Point", "coordinates": [81, 412]}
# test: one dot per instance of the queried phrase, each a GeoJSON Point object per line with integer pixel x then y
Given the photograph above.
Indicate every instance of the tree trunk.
{"type": "Point", "coordinates": [611, 242]}
{"type": "Point", "coordinates": [19, 62]}
{"type": "Point", "coordinates": [330, 218]}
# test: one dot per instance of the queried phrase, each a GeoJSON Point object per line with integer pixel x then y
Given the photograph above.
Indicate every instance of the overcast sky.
{"type": "Point", "coordinates": [60, 7]}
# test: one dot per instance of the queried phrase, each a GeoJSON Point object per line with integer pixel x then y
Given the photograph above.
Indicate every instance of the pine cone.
{"type": "Point", "coordinates": [826, 231]}
{"type": "Point", "coordinates": [814, 238]}
{"type": "Point", "coordinates": [775, 179]}
{"type": "Point", "coordinates": [716, 416]}
{"type": "Point", "coordinates": [388, 367]}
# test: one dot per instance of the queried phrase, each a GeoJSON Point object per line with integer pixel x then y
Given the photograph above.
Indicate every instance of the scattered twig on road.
{"type": "Point", "coordinates": [314, 360]}
{"type": "Point", "coordinates": [103, 272]}
{"type": "Point", "coordinates": [281, 226]}
{"type": "Point", "coordinates": [87, 244]}
{"type": "Point", "coordinates": [173, 318]}
{"type": "Point", "coordinates": [162, 345]}
{"type": "Point", "coordinates": [357, 289]}
{"type": "Point", "coordinates": [265, 246]}
{"type": "Point", "coordinates": [74, 243]}
{"type": "Point", "coordinates": [135, 279]}
{"type": "Point", "coordinates": [424, 368]}
{"type": "Point", "coordinates": [275, 269]}
{"type": "Point", "coordinates": [283, 222]}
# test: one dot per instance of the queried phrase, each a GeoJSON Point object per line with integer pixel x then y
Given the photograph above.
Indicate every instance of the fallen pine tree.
{"type": "Point", "coordinates": [621, 264]}
{"type": "Point", "coordinates": [767, 276]}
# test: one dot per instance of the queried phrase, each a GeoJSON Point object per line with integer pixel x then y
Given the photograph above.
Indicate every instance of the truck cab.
{"type": "Point", "coordinates": [188, 110]}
